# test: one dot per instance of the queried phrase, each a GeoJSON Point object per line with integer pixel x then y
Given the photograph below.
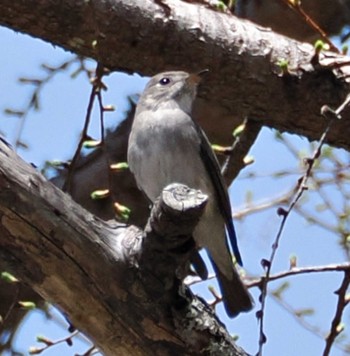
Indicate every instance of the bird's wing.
{"type": "Point", "coordinates": [213, 168]}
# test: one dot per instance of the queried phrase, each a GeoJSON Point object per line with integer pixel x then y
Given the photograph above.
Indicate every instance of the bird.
{"type": "Point", "coordinates": [167, 146]}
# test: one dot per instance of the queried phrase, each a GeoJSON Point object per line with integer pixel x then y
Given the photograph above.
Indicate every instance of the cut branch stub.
{"type": "Point", "coordinates": [168, 243]}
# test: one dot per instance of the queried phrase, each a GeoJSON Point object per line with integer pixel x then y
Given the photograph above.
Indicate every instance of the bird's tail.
{"type": "Point", "coordinates": [235, 295]}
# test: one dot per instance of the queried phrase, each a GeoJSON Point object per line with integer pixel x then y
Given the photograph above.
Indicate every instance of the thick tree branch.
{"type": "Point", "coordinates": [119, 286]}
{"type": "Point", "coordinates": [245, 79]}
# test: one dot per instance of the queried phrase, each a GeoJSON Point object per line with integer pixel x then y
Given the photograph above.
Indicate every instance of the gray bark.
{"type": "Point", "coordinates": [120, 286]}
{"type": "Point", "coordinates": [244, 81]}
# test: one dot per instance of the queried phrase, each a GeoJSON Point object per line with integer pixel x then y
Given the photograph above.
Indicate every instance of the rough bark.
{"type": "Point", "coordinates": [151, 36]}
{"type": "Point", "coordinates": [120, 286]}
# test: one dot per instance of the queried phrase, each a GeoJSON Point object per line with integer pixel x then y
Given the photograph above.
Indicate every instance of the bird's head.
{"type": "Point", "coordinates": [171, 89]}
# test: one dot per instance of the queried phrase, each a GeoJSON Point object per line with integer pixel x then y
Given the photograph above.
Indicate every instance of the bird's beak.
{"type": "Point", "coordinates": [195, 78]}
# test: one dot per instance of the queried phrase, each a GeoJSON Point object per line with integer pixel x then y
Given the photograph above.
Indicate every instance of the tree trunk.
{"type": "Point", "coordinates": [245, 80]}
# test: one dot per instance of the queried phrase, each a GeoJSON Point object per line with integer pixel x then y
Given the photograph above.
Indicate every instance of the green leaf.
{"type": "Point", "coordinates": [44, 340]}
{"type": "Point", "coordinates": [238, 130]}
{"type": "Point", "coordinates": [91, 144]}
{"type": "Point", "coordinates": [27, 304]}
{"type": "Point", "coordinates": [8, 277]}
{"type": "Point", "coordinates": [118, 167]}
{"type": "Point", "coordinates": [122, 211]}
{"type": "Point", "coordinates": [100, 194]}
{"type": "Point", "coordinates": [220, 149]}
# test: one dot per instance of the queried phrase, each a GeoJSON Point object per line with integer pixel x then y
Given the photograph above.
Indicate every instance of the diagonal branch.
{"type": "Point", "coordinates": [121, 287]}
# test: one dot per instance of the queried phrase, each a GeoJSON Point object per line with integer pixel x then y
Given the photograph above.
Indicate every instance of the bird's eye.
{"type": "Point", "coordinates": [164, 81]}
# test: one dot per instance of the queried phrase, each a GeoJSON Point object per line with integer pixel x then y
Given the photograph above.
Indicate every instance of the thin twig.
{"type": "Point", "coordinates": [105, 149]}
{"type": "Point", "coordinates": [94, 91]}
{"type": "Point", "coordinates": [34, 102]}
{"type": "Point", "coordinates": [49, 343]}
{"type": "Point", "coordinates": [295, 6]}
{"type": "Point", "coordinates": [343, 267]}
{"type": "Point", "coordinates": [232, 149]}
{"type": "Point", "coordinates": [301, 187]}
{"type": "Point", "coordinates": [343, 301]}
{"type": "Point", "coordinates": [254, 208]}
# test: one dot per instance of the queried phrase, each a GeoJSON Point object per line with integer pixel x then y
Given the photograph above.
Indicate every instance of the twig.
{"type": "Point", "coordinates": [96, 86]}
{"type": "Point", "coordinates": [231, 149]}
{"type": "Point", "coordinates": [295, 6]}
{"type": "Point", "coordinates": [105, 149]}
{"type": "Point", "coordinates": [301, 187]}
{"type": "Point", "coordinates": [33, 102]}
{"type": "Point", "coordinates": [343, 267]}
{"type": "Point", "coordinates": [343, 301]}
{"type": "Point", "coordinates": [283, 199]}
{"type": "Point", "coordinates": [49, 343]}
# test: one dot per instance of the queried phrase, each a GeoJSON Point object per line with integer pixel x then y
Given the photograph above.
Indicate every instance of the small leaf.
{"type": "Point", "coordinates": [35, 350]}
{"type": "Point", "coordinates": [221, 149]}
{"type": "Point", "coordinates": [340, 328]}
{"type": "Point", "coordinates": [221, 6]}
{"type": "Point", "coordinates": [235, 337]}
{"type": "Point", "coordinates": [109, 108]}
{"type": "Point", "coordinates": [347, 298]}
{"type": "Point", "coordinates": [118, 167]}
{"type": "Point", "coordinates": [55, 163]}
{"type": "Point", "coordinates": [248, 159]}
{"type": "Point", "coordinates": [295, 3]}
{"type": "Point", "coordinates": [8, 277]}
{"type": "Point", "coordinates": [27, 305]}
{"type": "Point", "coordinates": [122, 211]}
{"type": "Point", "coordinates": [238, 130]}
{"type": "Point", "coordinates": [91, 144]}
{"type": "Point", "coordinates": [283, 64]}
{"type": "Point", "coordinates": [321, 46]}
{"type": "Point", "coordinates": [44, 340]}
{"type": "Point", "coordinates": [292, 261]}
{"type": "Point", "coordinates": [100, 194]}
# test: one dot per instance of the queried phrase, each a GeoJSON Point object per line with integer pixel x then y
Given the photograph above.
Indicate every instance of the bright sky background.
{"type": "Point", "coordinates": [52, 134]}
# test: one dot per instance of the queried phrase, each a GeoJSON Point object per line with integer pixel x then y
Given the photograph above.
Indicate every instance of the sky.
{"type": "Point", "coordinates": [52, 133]}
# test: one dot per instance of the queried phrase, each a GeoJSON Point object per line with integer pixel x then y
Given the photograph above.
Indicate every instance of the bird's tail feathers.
{"type": "Point", "coordinates": [235, 295]}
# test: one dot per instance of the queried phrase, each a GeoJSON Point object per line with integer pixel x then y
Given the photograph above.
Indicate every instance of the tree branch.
{"type": "Point", "coordinates": [343, 267]}
{"type": "Point", "coordinates": [245, 80]}
{"type": "Point", "coordinates": [121, 287]}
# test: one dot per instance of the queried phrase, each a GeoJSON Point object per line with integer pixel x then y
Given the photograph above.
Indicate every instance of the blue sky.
{"type": "Point", "coordinates": [52, 134]}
